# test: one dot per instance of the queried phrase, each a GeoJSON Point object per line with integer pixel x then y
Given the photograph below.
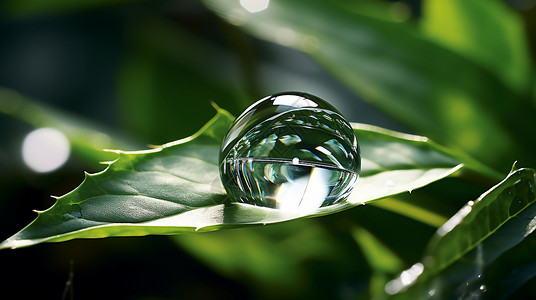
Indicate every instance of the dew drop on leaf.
{"type": "Point", "coordinates": [390, 183]}
{"type": "Point", "coordinates": [291, 151]}
{"type": "Point", "coordinates": [73, 215]}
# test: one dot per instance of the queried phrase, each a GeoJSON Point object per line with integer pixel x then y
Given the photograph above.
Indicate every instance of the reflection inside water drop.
{"type": "Point", "coordinates": [289, 185]}
{"type": "Point", "coordinates": [290, 151]}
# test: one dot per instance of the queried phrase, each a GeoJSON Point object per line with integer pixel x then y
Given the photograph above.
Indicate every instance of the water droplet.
{"type": "Point", "coordinates": [390, 183]}
{"type": "Point", "coordinates": [73, 215]}
{"type": "Point", "coordinates": [291, 151]}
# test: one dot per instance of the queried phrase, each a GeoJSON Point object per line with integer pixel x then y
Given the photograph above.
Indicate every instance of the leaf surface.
{"type": "Point", "coordinates": [470, 244]}
{"type": "Point", "coordinates": [176, 188]}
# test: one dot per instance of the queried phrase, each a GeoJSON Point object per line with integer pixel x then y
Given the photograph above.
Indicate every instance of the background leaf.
{"type": "Point", "coordinates": [161, 82]}
{"type": "Point", "coordinates": [383, 262]}
{"type": "Point", "coordinates": [87, 138]}
{"type": "Point", "coordinates": [476, 25]}
{"type": "Point", "coordinates": [461, 250]}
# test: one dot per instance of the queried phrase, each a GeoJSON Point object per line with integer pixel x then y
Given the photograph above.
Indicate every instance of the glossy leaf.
{"type": "Point", "coordinates": [510, 271]}
{"type": "Point", "coordinates": [497, 267]}
{"type": "Point", "coordinates": [429, 88]}
{"type": "Point", "coordinates": [393, 163]}
{"type": "Point", "coordinates": [175, 188]}
{"type": "Point", "coordinates": [473, 239]}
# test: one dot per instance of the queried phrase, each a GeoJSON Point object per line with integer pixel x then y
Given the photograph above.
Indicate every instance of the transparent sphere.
{"type": "Point", "coordinates": [290, 151]}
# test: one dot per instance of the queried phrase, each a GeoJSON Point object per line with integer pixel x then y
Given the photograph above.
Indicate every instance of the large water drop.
{"type": "Point", "coordinates": [291, 151]}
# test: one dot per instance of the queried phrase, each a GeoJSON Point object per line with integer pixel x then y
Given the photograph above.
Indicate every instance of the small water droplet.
{"type": "Point", "coordinates": [73, 215]}
{"type": "Point", "coordinates": [390, 183]}
{"type": "Point", "coordinates": [291, 151]}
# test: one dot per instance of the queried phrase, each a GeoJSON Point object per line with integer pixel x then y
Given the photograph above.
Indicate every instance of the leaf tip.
{"type": "Point", "coordinates": [13, 243]}
{"type": "Point", "coordinates": [514, 167]}
{"type": "Point", "coordinates": [198, 228]}
{"type": "Point", "coordinates": [216, 106]}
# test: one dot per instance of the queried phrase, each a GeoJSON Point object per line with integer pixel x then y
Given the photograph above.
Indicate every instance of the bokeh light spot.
{"type": "Point", "coordinates": [254, 6]}
{"type": "Point", "coordinates": [45, 150]}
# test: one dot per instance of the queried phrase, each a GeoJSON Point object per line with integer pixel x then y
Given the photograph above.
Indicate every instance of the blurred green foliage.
{"type": "Point", "coordinates": [144, 72]}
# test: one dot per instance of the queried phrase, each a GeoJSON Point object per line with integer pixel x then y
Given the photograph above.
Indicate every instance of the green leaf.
{"type": "Point", "coordinates": [473, 239]}
{"type": "Point", "coordinates": [393, 163]}
{"type": "Point", "coordinates": [509, 271]}
{"type": "Point", "coordinates": [477, 25]}
{"type": "Point", "coordinates": [432, 90]}
{"type": "Point", "coordinates": [176, 188]}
